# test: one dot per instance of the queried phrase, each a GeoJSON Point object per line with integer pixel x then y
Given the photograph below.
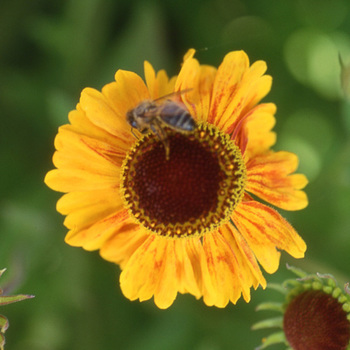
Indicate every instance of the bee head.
{"type": "Point", "coordinates": [131, 119]}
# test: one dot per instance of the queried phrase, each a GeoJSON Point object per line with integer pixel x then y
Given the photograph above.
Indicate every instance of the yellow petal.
{"type": "Point", "coordinates": [189, 273]}
{"type": "Point", "coordinates": [167, 286]}
{"type": "Point", "coordinates": [108, 109]}
{"type": "Point", "coordinates": [237, 89]}
{"type": "Point", "coordinates": [76, 200]}
{"type": "Point", "coordinates": [121, 246]}
{"type": "Point", "coordinates": [165, 85]}
{"type": "Point", "coordinates": [76, 151]}
{"type": "Point", "coordinates": [150, 77]}
{"type": "Point", "coordinates": [249, 266]}
{"type": "Point", "coordinates": [268, 177]}
{"type": "Point", "coordinates": [93, 210]}
{"type": "Point", "coordinates": [185, 81]}
{"type": "Point", "coordinates": [259, 85]}
{"type": "Point", "coordinates": [81, 125]}
{"type": "Point", "coordinates": [95, 236]}
{"type": "Point", "coordinates": [146, 269]}
{"type": "Point", "coordinates": [189, 54]}
{"type": "Point", "coordinates": [223, 278]}
{"type": "Point", "coordinates": [227, 98]}
{"type": "Point", "coordinates": [162, 268]}
{"type": "Point", "coordinates": [130, 90]}
{"type": "Point", "coordinates": [68, 180]}
{"type": "Point", "coordinates": [199, 79]}
{"type": "Point", "coordinates": [259, 122]}
{"type": "Point", "coordinates": [99, 111]}
{"type": "Point", "coordinates": [158, 85]}
{"type": "Point", "coordinates": [266, 231]}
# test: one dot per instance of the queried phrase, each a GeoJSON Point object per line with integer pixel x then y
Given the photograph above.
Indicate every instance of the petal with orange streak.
{"type": "Point", "coordinates": [161, 268]}
{"type": "Point", "coordinates": [150, 272]}
{"type": "Point", "coordinates": [237, 88]}
{"type": "Point", "coordinates": [122, 245]}
{"type": "Point", "coordinates": [268, 177]}
{"type": "Point", "coordinates": [252, 273]}
{"type": "Point", "coordinates": [75, 151]}
{"type": "Point", "coordinates": [97, 206]}
{"type": "Point", "coordinates": [259, 85]}
{"type": "Point", "coordinates": [258, 123]}
{"type": "Point", "coordinates": [95, 236]}
{"type": "Point", "coordinates": [199, 79]}
{"type": "Point", "coordinates": [189, 274]}
{"type": "Point", "coordinates": [228, 96]}
{"type": "Point", "coordinates": [266, 232]}
{"type": "Point", "coordinates": [223, 278]}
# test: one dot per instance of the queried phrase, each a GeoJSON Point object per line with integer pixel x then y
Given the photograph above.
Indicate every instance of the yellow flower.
{"type": "Point", "coordinates": [185, 224]}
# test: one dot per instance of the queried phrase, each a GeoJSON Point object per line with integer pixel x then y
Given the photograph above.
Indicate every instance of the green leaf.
{"type": "Point", "coordinates": [2, 341]}
{"type": "Point", "coordinates": [9, 299]}
{"type": "Point", "coordinates": [4, 324]}
{"type": "Point", "coordinates": [269, 323]}
{"type": "Point", "coordinates": [274, 306]}
{"type": "Point", "coordinates": [275, 338]}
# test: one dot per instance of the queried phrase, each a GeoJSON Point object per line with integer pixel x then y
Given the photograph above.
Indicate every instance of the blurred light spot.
{"type": "Point", "coordinates": [312, 57]}
{"type": "Point", "coordinates": [310, 135]}
{"type": "Point", "coordinates": [345, 77]}
{"type": "Point", "coordinates": [312, 126]}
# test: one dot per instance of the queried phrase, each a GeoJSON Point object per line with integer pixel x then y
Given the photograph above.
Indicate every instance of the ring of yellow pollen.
{"type": "Point", "coordinates": [192, 192]}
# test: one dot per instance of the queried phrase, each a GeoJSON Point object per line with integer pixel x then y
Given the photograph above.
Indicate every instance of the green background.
{"type": "Point", "coordinates": [51, 50]}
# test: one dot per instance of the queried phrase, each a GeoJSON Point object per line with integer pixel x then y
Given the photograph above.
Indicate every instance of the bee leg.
{"type": "Point", "coordinates": [132, 131]}
{"type": "Point", "coordinates": [167, 148]}
{"type": "Point", "coordinates": [161, 134]}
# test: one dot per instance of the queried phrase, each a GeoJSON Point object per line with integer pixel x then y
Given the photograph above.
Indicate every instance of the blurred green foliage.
{"type": "Point", "coordinates": [51, 50]}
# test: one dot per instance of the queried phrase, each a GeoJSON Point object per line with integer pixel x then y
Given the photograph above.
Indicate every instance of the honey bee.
{"type": "Point", "coordinates": [155, 115]}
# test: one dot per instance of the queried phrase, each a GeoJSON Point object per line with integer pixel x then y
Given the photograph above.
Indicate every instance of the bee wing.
{"type": "Point", "coordinates": [175, 93]}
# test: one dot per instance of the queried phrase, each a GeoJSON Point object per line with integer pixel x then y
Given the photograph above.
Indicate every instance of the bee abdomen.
{"type": "Point", "coordinates": [180, 119]}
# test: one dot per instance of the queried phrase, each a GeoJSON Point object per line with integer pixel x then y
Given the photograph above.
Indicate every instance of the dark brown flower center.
{"type": "Point", "coordinates": [193, 191]}
{"type": "Point", "coordinates": [315, 320]}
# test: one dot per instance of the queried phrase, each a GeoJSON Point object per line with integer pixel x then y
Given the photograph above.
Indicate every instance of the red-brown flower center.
{"type": "Point", "coordinates": [315, 320]}
{"type": "Point", "coordinates": [193, 191]}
